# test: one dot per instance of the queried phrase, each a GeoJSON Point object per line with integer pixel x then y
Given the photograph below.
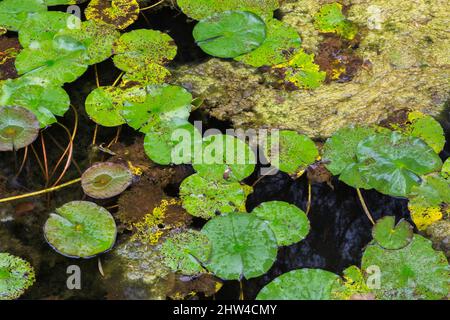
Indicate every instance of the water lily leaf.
{"type": "Point", "coordinates": [392, 162]}
{"type": "Point", "coordinates": [138, 48]}
{"type": "Point", "coordinates": [225, 157]}
{"type": "Point", "coordinates": [288, 222]}
{"type": "Point", "coordinates": [45, 101]}
{"type": "Point", "coordinates": [59, 61]}
{"type": "Point", "coordinates": [104, 106]}
{"type": "Point", "coordinates": [302, 284]}
{"type": "Point", "coordinates": [97, 37]}
{"type": "Point", "coordinates": [282, 40]}
{"type": "Point", "coordinates": [172, 144]}
{"type": "Point", "coordinates": [391, 236]}
{"type": "Point", "coordinates": [119, 13]}
{"type": "Point", "coordinates": [330, 19]}
{"type": "Point", "coordinates": [412, 273]}
{"type": "Point", "coordinates": [162, 104]}
{"type": "Point", "coordinates": [43, 26]}
{"type": "Point", "coordinates": [352, 285]}
{"type": "Point", "coordinates": [186, 251]}
{"type": "Point", "coordinates": [243, 246]}
{"type": "Point", "coordinates": [18, 128]}
{"type": "Point", "coordinates": [445, 171]}
{"type": "Point", "coordinates": [63, 2]}
{"type": "Point", "coordinates": [80, 229]}
{"type": "Point", "coordinates": [199, 9]}
{"type": "Point", "coordinates": [16, 276]}
{"type": "Point", "coordinates": [290, 152]}
{"type": "Point", "coordinates": [302, 72]}
{"type": "Point", "coordinates": [106, 180]}
{"type": "Point", "coordinates": [230, 34]}
{"type": "Point", "coordinates": [426, 128]}
{"type": "Point", "coordinates": [14, 13]}
{"type": "Point", "coordinates": [433, 191]}
{"type": "Point", "coordinates": [150, 74]}
{"type": "Point", "coordinates": [205, 199]}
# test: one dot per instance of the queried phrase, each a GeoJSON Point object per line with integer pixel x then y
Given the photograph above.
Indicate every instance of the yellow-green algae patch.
{"type": "Point", "coordinates": [405, 48]}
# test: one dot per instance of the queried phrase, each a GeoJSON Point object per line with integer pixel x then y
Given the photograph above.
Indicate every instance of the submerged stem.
{"type": "Point", "coordinates": [41, 192]}
{"type": "Point", "coordinates": [241, 290]}
{"type": "Point", "coordinates": [308, 206]}
{"type": "Point", "coordinates": [152, 6]}
{"type": "Point", "coordinates": [363, 203]}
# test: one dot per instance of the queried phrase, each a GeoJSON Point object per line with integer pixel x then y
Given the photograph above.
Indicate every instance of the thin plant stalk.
{"type": "Point", "coordinates": [308, 206]}
{"type": "Point", "coordinates": [44, 154]}
{"type": "Point", "coordinates": [363, 203]}
{"type": "Point", "coordinates": [69, 156]}
{"type": "Point", "coordinates": [241, 290]}
{"type": "Point", "coordinates": [41, 166]}
{"type": "Point", "coordinates": [22, 165]}
{"type": "Point", "coordinates": [152, 6]}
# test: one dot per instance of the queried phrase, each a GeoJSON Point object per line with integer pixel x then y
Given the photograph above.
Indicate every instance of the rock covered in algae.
{"type": "Point", "coordinates": [405, 49]}
{"type": "Point", "coordinates": [439, 234]}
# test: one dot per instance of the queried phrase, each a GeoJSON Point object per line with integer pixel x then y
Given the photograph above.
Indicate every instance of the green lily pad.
{"type": "Point", "coordinates": [428, 129]}
{"type": "Point", "coordinates": [45, 101]}
{"type": "Point", "coordinates": [80, 229]}
{"type": "Point", "coordinates": [63, 2]}
{"type": "Point", "coordinates": [391, 236]}
{"type": "Point", "coordinates": [243, 246]}
{"type": "Point", "coordinates": [282, 40]}
{"type": "Point", "coordinates": [199, 9]}
{"type": "Point", "coordinates": [339, 154]}
{"type": "Point", "coordinates": [392, 162]}
{"type": "Point", "coordinates": [352, 285]}
{"type": "Point", "coordinates": [119, 13]}
{"type": "Point", "coordinates": [225, 157]}
{"type": "Point", "coordinates": [302, 284]}
{"type": "Point", "coordinates": [16, 276]}
{"type": "Point", "coordinates": [14, 13]}
{"type": "Point", "coordinates": [161, 104]}
{"type": "Point", "coordinates": [433, 191]}
{"type": "Point", "coordinates": [230, 34]}
{"type": "Point", "coordinates": [330, 19]}
{"type": "Point", "coordinates": [288, 222]}
{"type": "Point", "coordinates": [290, 152]}
{"type": "Point", "coordinates": [445, 171]}
{"type": "Point", "coordinates": [43, 26]}
{"type": "Point", "coordinates": [18, 128]}
{"type": "Point", "coordinates": [97, 37]}
{"type": "Point", "coordinates": [172, 144]}
{"type": "Point", "coordinates": [186, 251]}
{"type": "Point", "coordinates": [104, 106]}
{"type": "Point", "coordinates": [414, 272]}
{"type": "Point", "coordinates": [58, 61]}
{"type": "Point", "coordinates": [139, 48]}
{"type": "Point", "coordinates": [205, 199]}
{"type": "Point", "coordinates": [106, 180]}
{"type": "Point", "coordinates": [150, 74]}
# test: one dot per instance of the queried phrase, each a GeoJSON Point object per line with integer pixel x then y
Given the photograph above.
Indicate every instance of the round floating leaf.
{"type": "Point", "coordinates": [63, 2]}
{"type": "Point", "coordinates": [204, 198]}
{"type": "Point", "coordinates": [172, 144]}
{"type": "Point", "coordinates": [288, 222]}
{"type": "Point", "coordinates": [340, 154]}
{"type": "Point", "coordinates": [412, 273]}
{"type": "Point", "coordinates": [445, 171]}
{"type": "Point", "coordinates": [302, 284]}
{"type": "Point", "coordinates": [230, 34]}
{"type": "Point", "coordinates": [199, 9]}
{"type": "Point", "coordinates": [80, 229]}
{"type": "Point", "coordinates": [391, 236]}
{"type": "Point", "coordinates": [14, 13]}
{"type": "Point", "coordinates": [290, 152]}
{"type": "Point", "coordinates": [427, 129]}
{"type": "Point", "coordinates": [243, 246]}
{"type": "Point", "coordinates": [119, 13]}
{"type": "Point", "coordinates": [57, 61]}
{"type": "Point", "coordinates": [161, 104]}
{"type": "Point", "coordinates": [104, 106]}
{"type": "Point", "coordinates": [225, 157]}
{"type": "Point", "coordinates": [45, 101]}
{"type": "Point", "coordinates": [281, 41]}
{"type": "Point", "coordinates": [106, 180]}
{"type": "Point", "coordinates": [97, 37]}
{"type": "Point", "coordinates": [331, 19]}
{"type": "Point", "coordinates": [433, 191]}
{"type": "Point", "coordinates": [139, 48]}
{"type": "Point", "coordinates": [392, 162]}
{"type": "Point", "coordinates": [151, 74]}
{"type": "Point", "coordinates": [43, 26]}
{"type": "Point", "coordinates": [352, 285]}
{"type": "Point", "coordinates": [186, 251]}
{"type": "Point", "coordinates": [18, 128]}
{"type": "Point", "coordinates": [16, 276]}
